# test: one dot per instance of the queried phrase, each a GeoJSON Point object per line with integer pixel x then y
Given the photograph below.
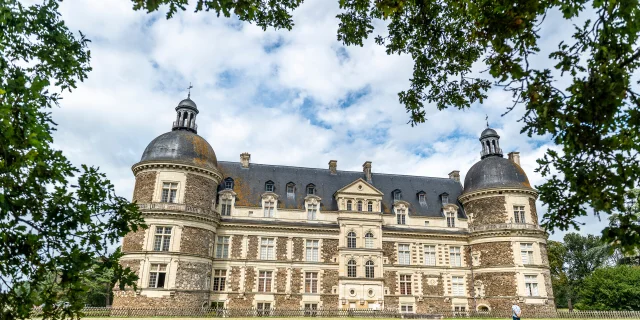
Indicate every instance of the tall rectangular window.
{"type": "Point", "coordinates": [311, 211]}
{"type": "Point", "coordinates": [457, 286]}
{"type": "Point", "coordinates": [518, 214]}
{"type": "Point", "coordinates": [312, 248]}
{"type": "Point", "coordinates": [405, 284]}
{"type": "Point", "coordinates": [401, 217]}
{"type": "Point", "coordinates": [264, 281]}
{"type": "Point", "coordinates": [268, 209]}
{"type": "Point", "coordinates": [169, 192]}
{"type": "Point", "coordinates": [219, 280]}
{"type": "Point", "coordinates": [531, 285]}
{"type": "Point", "coordinates": [526, 252]}
{"type": "Point", "coordinates": [162, 239]}
{"type": "Point", "coordinates": [157, 275]}
{"type": "Point", "coordinates": [455, 256]}
{"type": "Point", "coordinates": [422, 198]}
{"type": "Point", "coordinates": [222, 247]}
{"type": "Point", "coordinates": [451, 220]}
{"type": "Point", "coordinates": [267, 249]}
{"type": "Point", "coordinates": [430, 255]}
{"type": "Point", "coordinates": [311, 282]}
{"type": "Point", "coordinates": [225, 207]}
{"type": "Point", "coordinates": [404, 254]}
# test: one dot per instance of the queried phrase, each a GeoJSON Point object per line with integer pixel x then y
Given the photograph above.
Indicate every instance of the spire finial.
{"type": "Point", "coordinates": [189, 88]}
{"type": "Point", "coordinates": [487, 119]}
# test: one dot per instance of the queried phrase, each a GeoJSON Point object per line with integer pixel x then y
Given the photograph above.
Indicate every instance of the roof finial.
{"type": "Point", "coordinates": [189, 88]}
{"type": "Point", "coordinates": [487, 119]}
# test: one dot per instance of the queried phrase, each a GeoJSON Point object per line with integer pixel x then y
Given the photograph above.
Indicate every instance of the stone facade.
{"type": "Point", "coordinates": [494, 254]}
{"type": "Point", "coordinates": [199, 191]}
{"type": "Point", "coordinates": [329, 250]}
{"type": "Point", "coordinates": [389, 251]}
{"type": "Point", "coordinates": [236, 247]}
{"type": "Point", "coordinates": [298, 249]}
{"type": "Point", "coordinates": [134, 241]}
{"type": "Point", "coordinates": [498, 284]}
{"type": "Point", "coordinates": [192, 275]}
{"type": "Point", "coordinates": [252, 247]}
{"type": "Point", "coordinates": [145, 184]}
{"type": "Point", "coordinates": [487, 211]}
{"type": "Point", "coordinates": [197, 241]}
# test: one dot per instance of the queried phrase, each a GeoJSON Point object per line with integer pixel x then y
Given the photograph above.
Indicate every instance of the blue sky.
{"type": "Point", "coordinates": [287, 97]}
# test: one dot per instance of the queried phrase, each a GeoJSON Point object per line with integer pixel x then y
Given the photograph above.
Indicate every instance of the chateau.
{"type": "Point", "coordinates": [248, 235]}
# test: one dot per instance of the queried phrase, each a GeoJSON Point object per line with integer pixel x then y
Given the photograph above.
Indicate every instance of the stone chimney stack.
{"type": "Point", "coordinates": [455, 175]}
{"type": "Point", "coordinates": [366, 168]}
{"type": "Point", "coordinates": [333, 166]}
{"type": "Point", "coordinates": [245, 158]}
{"type": "Point", "coordinates": [515, 157]}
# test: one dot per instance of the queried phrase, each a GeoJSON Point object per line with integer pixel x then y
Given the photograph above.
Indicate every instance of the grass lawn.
{"type": "Point", "coordinates": [355, 318]}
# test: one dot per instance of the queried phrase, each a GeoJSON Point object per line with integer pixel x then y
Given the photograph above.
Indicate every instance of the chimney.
{"type": "Point", "coordinates": [245, 157]}
{"type": "Point", "coordinates": [515, 157]}
{"type": "Point", "coordinates": [333, 166]}
{"type": "Point", "coordinates": [366, 168]}
{"type": "Point", "coordinates": [455, 175]}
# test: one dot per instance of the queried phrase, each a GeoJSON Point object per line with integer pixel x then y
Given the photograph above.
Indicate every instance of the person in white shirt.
{"type": "Point", "coordinates": [516, 311]}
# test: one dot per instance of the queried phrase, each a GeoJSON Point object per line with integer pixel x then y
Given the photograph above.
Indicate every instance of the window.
{"type": "Point", "coordinates": [368, 240]}
{"type": "Point", "coordinates": [349, 205]}
{"type": "Point", "coordinates": [264, 281]}
{"type": "Point", "coordinates": [263, 309]}
{"type": "Point", "coordinates": [225, 207]}
{"type": "Point", "coordinates": [268, 209]}
{"type": "Point", "coordinates": [459, 309]}
{"type": "Point", "coordinates": [430, 255]}
{"type": "Point", "coordinates": [518, 214]}
{"type": "Point", "coordinates": [406, 308]}
{"type": "Point", "coordinates": [351, 268]}
{"type": "Point", "coordinates": [312, 250]}
{"type": "Point", "coordinates": [228, 183]}
{"type": "Point", "coordinates": [222, 247]}
{"type": "Point", "coordinates": [216, 305]}
{"type": "Point", "coordinates": [311, 189]}
{"type": "Point", "coordinates": [267, 249]}
{"type": "Point", "coordinates": [397, 195]}
{"type": "Point", "coordinates": [455, 256]}
{"type": "Point", "coordinates": [531, 285]}
{"type": "Point", "coordinates": [311, 282]}
{"type": "Point", "coordinates": [457, 286]}
{"type": "Point", "coordinates": [370, 206]}
{"type": "Point", "coordinates": [405, 284]}
{"type": "Point", "coordinates": [359, 205]}
{"type": "Point", "coordinates": [451, 219]}
{"type": "Point", "coordinates": [426, 223]}
{"type": "Point", "coordinates": [162, 239]}
{"type": "Point", "coordinates": [351, 239]}
{"type": "Point", "coordinates": [269, 187]}
{"type": "Point", "coordinates": [526, 251]}
{"type": "Point", "coordinates": [310, 309]}
{"type": "Point", "coordinates": [157, 275]}
{"type": "Point", "coordinates": [311, 211]}
{"type": "Point", "coordinates": [219, 280]}
{"type": "Point", "coordinates": [169, 192]}
{"type": "Point", "coordinates": [404, 254]}
{"type": "Point", "coordinates": [445, 199]}
{"type": "Point", "coordinates": [401, 217]}
{"type": "Point", "coordinates": [291, 190]}
{"type": "Point", "coordinates": [369, 270]}
{"type": "Point", "coordinates": [422, 198]}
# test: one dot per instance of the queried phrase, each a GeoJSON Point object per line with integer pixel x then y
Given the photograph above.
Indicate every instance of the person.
{"type": "Point", "coordinates": [516, 311]}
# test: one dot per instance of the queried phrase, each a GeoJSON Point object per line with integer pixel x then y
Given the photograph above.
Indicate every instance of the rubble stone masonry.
{"type": "Point", "coordinates": [199, 191]}
{"type": "Point", "coordinates": [498, 284]}
{"type": "Point", "coordinates": [390, 278]}
{"type": "Point", "coordinates": [252, 247]}
{"type": "Point", "coordinates": [298, 249]}
{"type": "Point", "coordinates": [129, 299]}
{"type": "Point", "coordinates": [234, 279]}
{"type": "Point", "coordinates": [145, 184]}
{"type": "Point", "coordinates": [491, 210]}
{"type": "Point", "coordinates": [389, 251]}
{"type": "Point", "coordinates": [133, 241]}
{"type": "Point", "coordinates": [432, 290]}
{"type": "Point", "coordinates": [236, 246]}
{"type": "Point", "coordinates": [281, 248]}
{"type": "Point", "coordinates": [196, 241]}
{"type": "Point", "coordinates": [329, 250]}
{"type": "Point", "coordinates": [192, 275]}
{"type": "Point", "coordinates": [544, 255]}
{"type": "Point", "coordinates": [494, 253]}
{"type": "Point", "coordinates": [296, 280]}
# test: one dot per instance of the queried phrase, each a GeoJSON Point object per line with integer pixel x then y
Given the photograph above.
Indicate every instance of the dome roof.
{"type": "Point", "coordinates": [495, 172]}
{"type": "Point", "coordinates": [181, 146]}
{"type": "Point", "coordinates": [488, 132]}
{"type": "Point", "coordinates": [187, 103]}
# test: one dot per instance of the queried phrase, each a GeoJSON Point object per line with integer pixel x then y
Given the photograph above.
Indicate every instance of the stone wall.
{"type": "Point", "coordinates": [329, 250]}
{"type": "Point", "coordinates": [196, 241]}
{"type": "Point", "coordinates": [498, 284]}
{"type": "Point", "coordinates": [234, 279]}
{"type": "Point", "coordinates": [128, 299]}
{"type": "Point", "coordinates": [145, 184]}
{"type": "Point", "coordinates": [390, 278]}
{"type": "Point", "coordinates": [547, 284]}
{"type": "Point", "coordinates": [491, 210]}
{"type": "Point", "coordinates": [544, 255]}
{"type": "Point", "coordinates": [329, 280]}
{"type": "Point", "coordinates": [432, 290]}
{"type": "Point", "coordinates": [249, 279]}
{"type": "Point", "coordinates": [432, 305]}
{"type": "Point", "coordinates": [534, 211]}
{"type": "Point", "coordinates": [391, 302]}
{"type": "Point", "coordinates": [236, 246]}
{"type": "Point", "coordinates": [199, 191]}
{"type": "Point", "coordinates": [329, 301]}
{"type": "Point", "coordinates": [494, 253]}
{"type": "Point", "coordinates": [237, 302]}
{"type": "Point", "coordinates": [133, 265]}
{"type": "Point", "coordinates": [281, 280]}
{"type": "Point", "coordinates": [192, 275]}
{"type": "Point", "coordinates": [133, 241]}
{"type": "Point", "coordinates": [281, 248]}
{"type": "Point", "coordinates": [296, 280]}
{"type": "Point", "coordinates": [389, 251]}
{"type": "Point", "coordinates": [292, 302]}
{"type": "Point", "coordinates": [252, 247]}
{"type": "Point", "coordinates": [298, 249]}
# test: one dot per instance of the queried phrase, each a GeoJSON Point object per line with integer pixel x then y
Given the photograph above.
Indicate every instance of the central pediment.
{"type": "Point", "coordinates": [360, 187]}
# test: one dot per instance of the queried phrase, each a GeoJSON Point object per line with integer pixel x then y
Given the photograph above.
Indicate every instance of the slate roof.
{"type": "Point", "coordinates": [181, 146]}
{"type": "Point", "coordinates": [495, 172]}
{"type": "Point", "coordinates": [249, 185]}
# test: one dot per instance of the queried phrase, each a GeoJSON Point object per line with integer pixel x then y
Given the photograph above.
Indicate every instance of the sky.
{"type": "Point", "coordinates": [294, 97]}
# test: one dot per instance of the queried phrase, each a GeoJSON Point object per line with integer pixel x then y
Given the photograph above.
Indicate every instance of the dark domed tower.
{"type": "Point", "coordinates": [176, 182]}
{"type": "Point", "coordinates": [507, 247]}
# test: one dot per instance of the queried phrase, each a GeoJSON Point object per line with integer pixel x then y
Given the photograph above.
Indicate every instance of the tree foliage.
{"type": "Point", "coordinates": [586, 102]}
{"type": "Point", "coordinates": [55, 219]}
{"type": "Point", "coordinates": [611, 288]}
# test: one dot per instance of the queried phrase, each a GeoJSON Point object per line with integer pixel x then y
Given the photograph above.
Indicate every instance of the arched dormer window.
{"type": "Point", "coordinates": [349, 205]}
{"type": "Point", "coordinates": [291, 190]}
{"type": "Point", "coordinates": [359, 205]}
{"type": "Point", "coordinates": [368, 240]}
{"type": "Point", "coordinates": [351, 239]}
{"type": "Point", "coordinates": [228, 183]}
{"type": "Point", "coordinates": [351, 269]}
{"type": "Point", "coordinates": [269, 186]}
{"type": "Point", "coordinates": [397, 195]}
{"type": "Point", "coordinates": [369, 270]}
{"type": "Point", "coordinates": [311, 188]}
{"type": "Point", "coordinates": [445, 198]}
{"type": "Point", "coordinates": [370, 206]}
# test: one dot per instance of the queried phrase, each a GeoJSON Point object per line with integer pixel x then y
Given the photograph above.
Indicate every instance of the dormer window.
{"type": "Point", "coordinates": [291, 190]}
{"type": "Point", "coordinates": [397, 195]}
{"type": "Point", "coordinates": [269, 186]}
{"type": "Point", "coordinates": [228, 183]}
{"type": "Point", "coordinates": [311, 189]}
{"type": "Point", "coordinates": [359, 205]}
{"type": "Point", "coordinates": [370, 206]}
{"type": "Point", "coordinates": [451, 219]}
{"type": "Point", "coordinates": [445, 198]}
{"type": "Point", "coordinates": [422, 198]}
{"type": "Point", "coordinates": [349, 205]}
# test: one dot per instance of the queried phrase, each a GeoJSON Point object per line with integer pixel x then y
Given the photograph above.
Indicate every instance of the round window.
{"type": "Point", "coordinates": [352, 292]}
{"type": "Point", "coordinates": [370, 292]}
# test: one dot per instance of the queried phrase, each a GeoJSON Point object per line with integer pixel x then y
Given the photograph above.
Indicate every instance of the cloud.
{"type": "Point", "coordinates": [288, 97]}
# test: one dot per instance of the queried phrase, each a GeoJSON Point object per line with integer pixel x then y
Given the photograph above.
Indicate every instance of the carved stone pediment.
{"type": "Point", "coordinates": [269, 196]}
{"type": "Point", "coordinates": [227, 194]}
{"type": "Point", "coordinates": [312, 199]}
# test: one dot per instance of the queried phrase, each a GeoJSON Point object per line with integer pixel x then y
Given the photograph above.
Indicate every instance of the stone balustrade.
{"type": "Point", "coordinates": [505, 226]}
{"type": "Point", "coordinates": [177, 207]}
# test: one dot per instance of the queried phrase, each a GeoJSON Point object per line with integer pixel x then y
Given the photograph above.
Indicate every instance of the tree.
{"type": "Point", "coordinates": [55, 219]}
{"type": "Point", "coordinates": [611, 288]}
{"type": "Point", "coordinates": [559, 281]}
{"type": "Point", "coordinates": [594, 118]}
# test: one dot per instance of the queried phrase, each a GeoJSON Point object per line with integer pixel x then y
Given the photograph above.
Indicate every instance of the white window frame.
{"type": "Point", "coordinates": [451, 219]}
{"type": "Point", "coordinates": [219, 280]}
{"type": "Point", "coordinates": [430, 255]}
{"type": "Point", "coordinates": [531, 285]}
{"type": "Point", "coordinates": [369, 240]}
{"type": "Point", "coordinates": [445, 199]}
{"type": "Point", "coordinates": [404, 253]}
{"type": "Point", "coordinates": [311, 282]}
{"type": "Point", "coordinates": [225, 207]}
{"type": "Point", "coordinates": [526, 253]}
{"type": "Point", "coordinates": [406, 308]}
{"type": "Point", "coordinates": [519, 214]}
{"type": "Point", "coordinates": [267, 248]}
{"type": "Point", "coordinates": [455, 256]}
{"type": "Point", "coordinates": [370, 206]}
{"type": "Point", "coordinates": [312, 210]}
{"type": "Point", "coordinates": [405, 283]}
{"type": "Point", "coordinates": [162, 238]}
{"type": "Point", "coordinates": [171, 195]}
{"type": "Point", "coordinates": [269, 208]}
{"type": "Point", "coordinates": [222, 247]}
{"type": "Point", "coordinates": [349, 205]}
{"type": "Point", "coordinates": [312, 250]}
{"type": "Point", "coordinates": [457, 286]}
{"type": "Point", "coordinates": [265, 281]}
{"type": "Point", "coordinates": [291, 191]}
{"type": "Point", "coordinates": [155, 270]}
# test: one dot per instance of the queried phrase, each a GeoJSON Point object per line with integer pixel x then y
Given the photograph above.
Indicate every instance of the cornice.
{"type": "Point", "coordinates": [255, 224]}
{"type": "Point", "coordinates": [466, 196]}
{"type": "Point", "coordinates": [145, 165]}
{"type": "Point", "coordinates": [214, 221]}
{"type": "Point", "coordinates": [507, 233]}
